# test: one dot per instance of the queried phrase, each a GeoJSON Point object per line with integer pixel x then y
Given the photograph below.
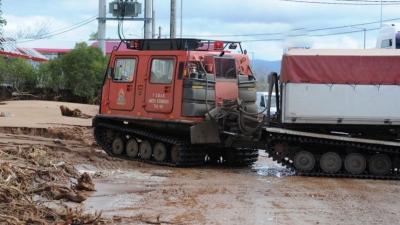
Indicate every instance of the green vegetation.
{"type": "Point", "coordinates": [2, 21]}
{"type": "Point", "coordinates": [83, 70]}
{"type": "Point", "coordinates": [262, 79]}
{"type": "Point", "coordinates": [76, 76]}
{"type": "Point", "coordinates": [94, 36]}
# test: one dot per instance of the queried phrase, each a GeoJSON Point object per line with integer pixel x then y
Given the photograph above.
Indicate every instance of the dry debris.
{"type": "Point", "coordinates": [33, 189]}
{"type": "Point", "coordinates": [65, 111]}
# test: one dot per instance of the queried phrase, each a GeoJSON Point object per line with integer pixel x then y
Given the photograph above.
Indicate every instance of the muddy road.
{"type": "Point", "coordinates": [130, 192]}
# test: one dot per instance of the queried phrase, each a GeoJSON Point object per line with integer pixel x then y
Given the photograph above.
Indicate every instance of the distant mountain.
{"type": "Point", "coordinates": [267, 66]}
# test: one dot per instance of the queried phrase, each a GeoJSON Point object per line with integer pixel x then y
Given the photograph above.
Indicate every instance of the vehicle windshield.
{"type": "Point", "coordinates": [225, 68]}
{"type": "Point", "coordinates": [398, 40]}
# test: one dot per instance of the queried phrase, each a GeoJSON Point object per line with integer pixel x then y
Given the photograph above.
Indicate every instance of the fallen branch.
{"type": "Point", "coordinates": [7, 218]}
{"type": "Point", "coordinates": [17, 94]}
{"type": "Point", "coordinates": [65, 111]}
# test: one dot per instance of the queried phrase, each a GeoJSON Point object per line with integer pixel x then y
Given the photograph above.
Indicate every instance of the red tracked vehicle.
{"type": "Point", "coordinates": [179, 102]}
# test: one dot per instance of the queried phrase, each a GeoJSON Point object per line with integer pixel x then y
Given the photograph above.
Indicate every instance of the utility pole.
{"type": "Point", "coordinates": [153, 27]}
{"type": "Point", "coordinates": [381, 13]}
{"type": "Point", "coordinates": [148, 14]}
{"type": "Point", "coordinates": [118, 8]}
{"type": "Point", "coordinates": [365, 32]}
{"type": "Point", "coordinates": [101, 33]}
{"type": "Point", "coordinates": [173, 19]}
{"type": "Point", "coordinates": [181, 16]}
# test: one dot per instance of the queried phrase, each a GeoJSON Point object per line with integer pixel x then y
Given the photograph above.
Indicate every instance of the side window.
{"type": "Point", "coordinates": [161, 71]}
{"type": "Point", "coordinates": [124, 70]}
{"type": "Point", "coordinates": [386, 43]}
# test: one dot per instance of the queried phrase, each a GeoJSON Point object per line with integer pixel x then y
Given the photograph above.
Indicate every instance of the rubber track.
{"type": "Point", "coordinates": [245, 156]}
{"type": "Point", "coordinates": [342, 173]}
{"type": "Point", "coordinates": [189, 155]}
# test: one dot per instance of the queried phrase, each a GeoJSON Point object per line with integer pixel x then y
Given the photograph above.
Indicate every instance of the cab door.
{"type": "Point", "coordinates": [122, 92]}
{"type": "Point", "coordinates": [159, 87]}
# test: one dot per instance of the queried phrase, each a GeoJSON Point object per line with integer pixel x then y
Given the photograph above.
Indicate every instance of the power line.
{"type": "Point", "coordinates": [306, 30]}
{"type": "Point", "coordinates": [76, 24]}
{"type": "Point", "coordinates": [348, 2]}
{"type": "Point", "coordinates": [61, 32]}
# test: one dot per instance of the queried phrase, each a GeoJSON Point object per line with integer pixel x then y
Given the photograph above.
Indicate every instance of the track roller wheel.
{"type": "Point", "coordinates": [132, 148]}
{"type": "Point", "coordinates": [355, 163]}
{"type": "Point", "coordinates": [175, 154]}
{"type": "Point", "coordinates": [145, 150]}
{"type": "Point", "coordinates": [380, 164]}
{"type": "Point", "coordinates": [330, 162]}
{"type": "Point", "coordinates": [159, 152]}
{"type": "Point", "coordinates": [304, 161]}
{"type": "Point", "coordinates": [117, 146]}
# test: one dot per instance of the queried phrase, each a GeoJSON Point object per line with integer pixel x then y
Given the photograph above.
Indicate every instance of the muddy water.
{"type": "Point", "coordinates": [264, 193]}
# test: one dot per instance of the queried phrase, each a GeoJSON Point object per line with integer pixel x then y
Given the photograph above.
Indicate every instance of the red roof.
{"type": "Point", "coordinates": [52, 50]}
{"type": "Point", "coordinates": [11, 54]}
{"type": "Point", "coordinates": [109, 47]}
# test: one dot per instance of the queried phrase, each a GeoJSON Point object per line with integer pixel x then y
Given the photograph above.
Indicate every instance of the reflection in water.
{"type": "Point", "coordinates": [265, 170]}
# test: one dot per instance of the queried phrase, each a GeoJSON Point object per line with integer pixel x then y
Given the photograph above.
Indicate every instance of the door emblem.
{"type": "Point", "coordinates": [121, 97]}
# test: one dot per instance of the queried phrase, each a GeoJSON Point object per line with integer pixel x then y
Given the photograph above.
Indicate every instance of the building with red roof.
{"type": "Point", "coordinates": [52, 48]}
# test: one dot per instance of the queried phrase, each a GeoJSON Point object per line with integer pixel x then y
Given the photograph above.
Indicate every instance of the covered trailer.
{"type": "Point", "coordinates": [339, 113]}
{"type": "Point", "coordinates": [358, 87]}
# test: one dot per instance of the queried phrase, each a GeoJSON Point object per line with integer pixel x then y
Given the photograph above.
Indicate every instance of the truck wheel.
{"type": "Point", "coordinates": [330, 162]}
{"type": "Point", "coordinates": [145, 150]}
{"type": "Point", "coordinates": [118, 146]}
{"type": "Point", "coordinates": [380, 164]}
{"type": "Point", "coordinates": [132, 148]}
{"type": "Point", "coordinates": [175, 155]}
{"type": "Point", "coordinates": [159, 152]}
{"type": "Point", "coordinates": [304, 161]}
{"type": "Point", "coordinates": [355, 163]}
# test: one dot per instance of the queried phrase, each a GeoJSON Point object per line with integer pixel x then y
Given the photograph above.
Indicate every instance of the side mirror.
{"type": "Point", "coordinates": [262, 102]}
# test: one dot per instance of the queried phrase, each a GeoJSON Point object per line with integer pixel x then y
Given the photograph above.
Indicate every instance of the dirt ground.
{"type": "Point", "coordinates": [136, 193]}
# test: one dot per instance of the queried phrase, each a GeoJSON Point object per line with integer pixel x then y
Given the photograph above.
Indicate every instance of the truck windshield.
{"type": "Point", "coordinates": [397, 40]}
{"type": "Point", "coordinates": [225, 68]}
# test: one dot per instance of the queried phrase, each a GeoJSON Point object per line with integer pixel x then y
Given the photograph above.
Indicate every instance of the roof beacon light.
{"type": "Point", "coordinates": [218, 45]}
{"type": "Point", "coordinates": [134, 44]}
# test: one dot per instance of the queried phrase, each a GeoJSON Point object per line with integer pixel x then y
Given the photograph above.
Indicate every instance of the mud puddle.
{"type": "Point", "coordinates": [120, 190]}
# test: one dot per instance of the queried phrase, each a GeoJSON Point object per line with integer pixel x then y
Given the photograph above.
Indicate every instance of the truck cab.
{"type": "Point", "coordinates": [389, 37]}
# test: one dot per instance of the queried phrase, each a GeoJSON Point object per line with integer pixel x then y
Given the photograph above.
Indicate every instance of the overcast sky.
{"type": "Point", "coordinates": [265, 27]}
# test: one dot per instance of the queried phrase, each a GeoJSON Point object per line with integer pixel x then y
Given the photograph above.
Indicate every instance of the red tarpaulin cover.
{"type": "Point", "coordinates": [340, 69]}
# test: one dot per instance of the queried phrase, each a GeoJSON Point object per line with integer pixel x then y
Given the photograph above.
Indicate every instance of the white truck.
{"type": "Point", "coordinates": [339, 113]}
{"type": "Point", "coordinates": [389, 36]}
{"type": "Point", "coordinates": [262, 103]}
